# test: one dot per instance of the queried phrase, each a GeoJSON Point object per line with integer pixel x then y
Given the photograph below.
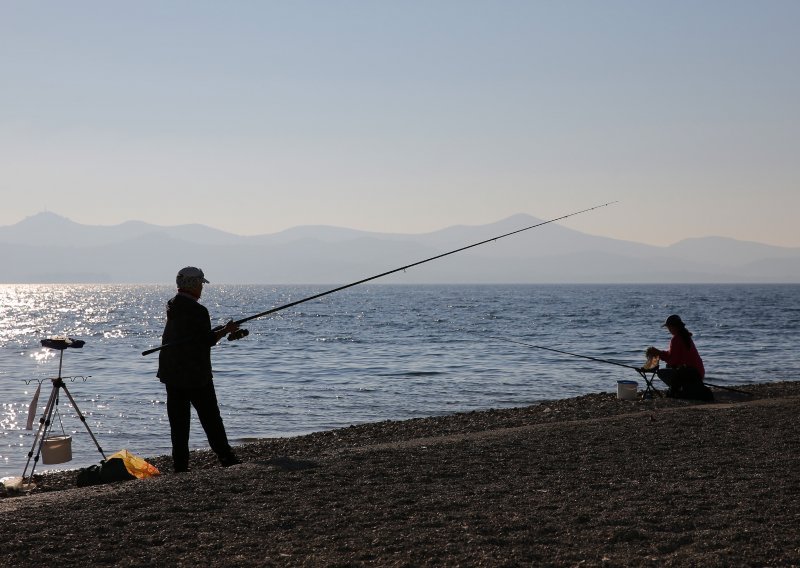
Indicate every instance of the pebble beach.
{"type": "Point", "coordinates": [586, 481]}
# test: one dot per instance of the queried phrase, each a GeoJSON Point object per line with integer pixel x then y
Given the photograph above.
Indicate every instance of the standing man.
{"type": "Point", "coordinates": [185, 370]}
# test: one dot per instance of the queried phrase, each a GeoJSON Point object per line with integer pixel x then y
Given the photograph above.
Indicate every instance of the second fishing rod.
{"type": "Point", "coordinates": [650, 366]}
{"type": "Point", "coordinates": [381, 275]}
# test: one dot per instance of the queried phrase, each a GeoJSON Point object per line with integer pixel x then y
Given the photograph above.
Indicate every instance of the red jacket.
{"type": "Point", "coordinates": [678, 355]}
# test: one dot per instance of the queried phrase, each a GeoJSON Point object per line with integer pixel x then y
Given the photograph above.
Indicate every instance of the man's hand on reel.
{"type": "Point", "coordinates": [233, 331]}
{"type": "Point", "coordinates": [227, 329]}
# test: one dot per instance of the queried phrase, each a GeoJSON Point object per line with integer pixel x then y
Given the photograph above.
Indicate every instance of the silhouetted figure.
{"type": "Point", "coordinates": [185, 369]}
{"type": "Point", "coordinates": [685, 371]}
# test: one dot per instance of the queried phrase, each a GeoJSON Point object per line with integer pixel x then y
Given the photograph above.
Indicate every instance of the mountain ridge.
{"type": "Point", "coordinates": [50, 248]}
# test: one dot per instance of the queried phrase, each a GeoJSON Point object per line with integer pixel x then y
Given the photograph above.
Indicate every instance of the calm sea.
{"type": "Point", "coordinates": [368, 353]}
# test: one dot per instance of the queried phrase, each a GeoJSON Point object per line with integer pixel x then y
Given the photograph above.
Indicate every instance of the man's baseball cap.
{"type": "Point", "coordinates": [189, 276]}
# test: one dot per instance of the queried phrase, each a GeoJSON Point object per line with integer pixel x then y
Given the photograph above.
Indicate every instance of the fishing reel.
{"type": "Point", "coordinates": [238, 334]}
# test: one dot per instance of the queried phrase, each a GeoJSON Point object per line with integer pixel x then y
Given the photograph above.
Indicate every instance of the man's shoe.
{"type": "Point", "coordinates": [229, 460]}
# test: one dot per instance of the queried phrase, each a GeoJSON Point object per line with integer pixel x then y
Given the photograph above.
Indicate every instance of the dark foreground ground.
{"type": "Point", "coordinates": [590, 481]}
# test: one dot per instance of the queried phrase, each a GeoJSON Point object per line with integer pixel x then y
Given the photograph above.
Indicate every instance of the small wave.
{"type": "Point", "coordinates": [339, 339]}
{"type": "Point", "coordinates": [412, 374]}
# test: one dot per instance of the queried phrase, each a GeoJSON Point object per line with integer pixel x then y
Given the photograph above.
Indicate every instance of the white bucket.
{"type": "Point", "coordinates": [626, 390]}
{"type": "Point", "coordinates": [57, 449]}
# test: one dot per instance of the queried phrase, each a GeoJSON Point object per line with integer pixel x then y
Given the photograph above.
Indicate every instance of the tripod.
{"type": "Point", "coordinates": [59, 344]}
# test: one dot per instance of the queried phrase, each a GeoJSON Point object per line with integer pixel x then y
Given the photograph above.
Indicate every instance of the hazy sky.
{"type": "Point", "coordinates": [405, 116]}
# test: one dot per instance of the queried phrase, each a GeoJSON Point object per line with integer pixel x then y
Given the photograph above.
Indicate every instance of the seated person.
{"type": "Point", "coordinates": [685, 371]}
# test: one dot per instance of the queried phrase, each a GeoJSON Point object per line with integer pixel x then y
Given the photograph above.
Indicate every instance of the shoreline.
{"type": "Point", "coordinates": [589, 479]}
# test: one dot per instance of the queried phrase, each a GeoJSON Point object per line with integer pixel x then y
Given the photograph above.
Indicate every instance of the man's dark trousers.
{"type": "Point", "coordinates": [179, 403]}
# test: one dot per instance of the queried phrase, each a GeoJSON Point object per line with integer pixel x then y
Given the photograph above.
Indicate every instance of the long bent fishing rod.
{"type": "Point", "coordinates": [637, 369]}
{"type": "Point", "coordinates": [387, 273]}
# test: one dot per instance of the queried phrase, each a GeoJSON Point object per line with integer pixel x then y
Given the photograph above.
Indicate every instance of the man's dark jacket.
{"type": "Point", "coordinates": [188, 362]}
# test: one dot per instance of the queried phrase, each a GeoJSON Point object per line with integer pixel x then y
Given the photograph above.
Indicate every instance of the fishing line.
{"type": "Point", "coordinates": [565, 352]}
{"type": "Point", "coordinates": [381, 275]}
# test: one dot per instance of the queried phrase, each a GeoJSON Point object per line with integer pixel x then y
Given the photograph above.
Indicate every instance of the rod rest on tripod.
{"type": "Point", "coordinates": [39, 440]}
{"type": "Point", "coordinates": [62, 343]}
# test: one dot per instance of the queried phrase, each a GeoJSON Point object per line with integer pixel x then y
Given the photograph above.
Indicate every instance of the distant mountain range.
{"type": "Point", "coordinates": [49, 248]}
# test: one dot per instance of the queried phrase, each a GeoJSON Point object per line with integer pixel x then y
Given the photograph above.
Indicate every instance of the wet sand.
{"type": "Point", "coordinates": [589, 481]}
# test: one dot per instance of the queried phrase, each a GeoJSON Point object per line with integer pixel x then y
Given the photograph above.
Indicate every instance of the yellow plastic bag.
{"type": "Point", "coordinates": [135, 465]}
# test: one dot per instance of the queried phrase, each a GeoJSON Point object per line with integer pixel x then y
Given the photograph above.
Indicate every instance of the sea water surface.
{"type": "Point", "coordinates": [368, 353]}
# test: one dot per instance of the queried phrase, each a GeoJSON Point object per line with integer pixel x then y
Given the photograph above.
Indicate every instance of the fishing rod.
{"type": "Point", "coordinates": [387, 273]}
{"type": "Point", "coordinates": [645, 368]}
{"type": "Point", "coordinates": [567, 353]}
